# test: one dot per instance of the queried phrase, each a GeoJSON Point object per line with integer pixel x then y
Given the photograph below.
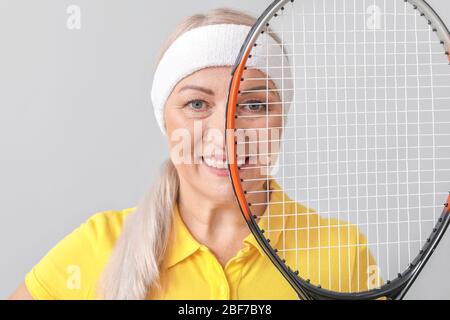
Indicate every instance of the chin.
{"type": "Point", "coordinates": [218, 191]}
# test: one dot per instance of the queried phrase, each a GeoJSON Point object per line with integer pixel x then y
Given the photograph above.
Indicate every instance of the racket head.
{"type": "Point", "coordinates": [245, 185]}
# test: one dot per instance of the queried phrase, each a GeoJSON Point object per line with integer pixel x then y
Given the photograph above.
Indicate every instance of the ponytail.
{"type": "Point", "coordinates": [133, 268]}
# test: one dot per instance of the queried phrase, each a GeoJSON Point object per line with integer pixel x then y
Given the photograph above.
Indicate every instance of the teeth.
{"type": "Point", "coordinates": [215, 163]}
{"type": "Point", "coordinates": [222, 164]}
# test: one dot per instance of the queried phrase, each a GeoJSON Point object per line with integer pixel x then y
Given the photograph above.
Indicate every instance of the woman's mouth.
{"type": "Point", "coordinates": [219, 166]}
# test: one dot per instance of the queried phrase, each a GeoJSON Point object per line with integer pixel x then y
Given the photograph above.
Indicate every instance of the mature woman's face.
{"type": "Point", "coordinates": [195, 124]}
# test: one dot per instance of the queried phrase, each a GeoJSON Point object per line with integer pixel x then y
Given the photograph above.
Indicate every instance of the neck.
{"type": "Point", "coordinates": [208, 217]}
{"type": "Point", "coordinates": [217, 225]}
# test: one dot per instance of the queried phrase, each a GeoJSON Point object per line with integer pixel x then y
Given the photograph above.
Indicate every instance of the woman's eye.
{"type": "Point", "coordinates": [196, 104]}
{"type": "Point", "coordinates": [254, 106]}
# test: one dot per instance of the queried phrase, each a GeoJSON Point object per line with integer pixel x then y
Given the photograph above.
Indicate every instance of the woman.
{"type": "Point", "coordinates": [187, 239]}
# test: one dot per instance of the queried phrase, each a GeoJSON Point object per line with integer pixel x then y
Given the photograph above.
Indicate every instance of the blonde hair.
{"type": "Point", "coordinates": [134, 266]}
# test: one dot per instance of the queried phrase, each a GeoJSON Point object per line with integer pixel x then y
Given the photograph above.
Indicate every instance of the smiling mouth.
{"type": "Point", "coordinates": [222, 164]}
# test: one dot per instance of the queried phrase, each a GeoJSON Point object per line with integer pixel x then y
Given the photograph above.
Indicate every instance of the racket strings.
{"type": "Point", "coordinates": [363, 149]}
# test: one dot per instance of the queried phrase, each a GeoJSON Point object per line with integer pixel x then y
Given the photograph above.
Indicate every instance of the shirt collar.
{"type": "Point", "coordinates": [182, 244]}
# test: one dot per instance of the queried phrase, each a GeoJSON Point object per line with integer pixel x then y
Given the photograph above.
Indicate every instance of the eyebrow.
{"type": "Point", "coordinates": [198, 88]}
{"type": "Point", "coordinates": [259, 89]}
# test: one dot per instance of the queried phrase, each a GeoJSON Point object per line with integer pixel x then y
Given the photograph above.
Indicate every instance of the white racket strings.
{"type": "Point", "coordinates": [363, 143]}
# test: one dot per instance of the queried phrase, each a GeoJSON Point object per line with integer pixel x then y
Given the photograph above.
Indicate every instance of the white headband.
{"type": "Point", "coordinates": [214, 46]}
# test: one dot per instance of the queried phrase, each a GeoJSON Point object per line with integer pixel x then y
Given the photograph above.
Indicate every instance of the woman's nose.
{"type": "Point", "coordinates": [216, 120]}
{"type": "Point", "coordinates": [214, 127]}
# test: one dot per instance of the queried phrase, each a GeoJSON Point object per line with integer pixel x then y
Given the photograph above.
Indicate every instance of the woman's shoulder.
{"type": "Point", "coordinates": [107, 223]}
{"type": "Point", "coordinates": [72, 267]}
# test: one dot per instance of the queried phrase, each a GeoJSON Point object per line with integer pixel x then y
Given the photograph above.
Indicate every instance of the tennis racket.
{"type": "Point", "coordinates": [340, 159]}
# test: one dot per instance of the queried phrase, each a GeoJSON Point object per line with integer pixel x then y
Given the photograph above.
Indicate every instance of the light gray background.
{"type": "Point", "coordinates": [77, 133]}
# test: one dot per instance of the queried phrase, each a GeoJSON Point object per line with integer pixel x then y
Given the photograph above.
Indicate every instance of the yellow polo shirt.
{"type": "Point", "coordinates": [71, 269]}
